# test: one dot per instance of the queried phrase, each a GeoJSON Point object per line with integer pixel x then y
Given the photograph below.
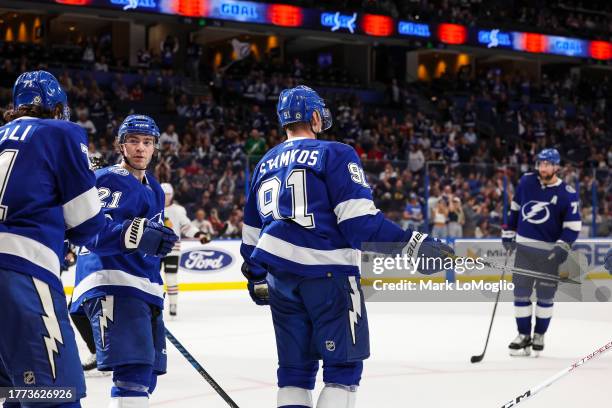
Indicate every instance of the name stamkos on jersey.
{"type": "Point", "coordinates": [284, 159]}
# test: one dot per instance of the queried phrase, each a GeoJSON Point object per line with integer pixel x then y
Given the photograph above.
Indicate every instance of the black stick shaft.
{"type": "Point", "coordinates": [476, 359]}
{"type": "Point", "coordinates": [200, 369]}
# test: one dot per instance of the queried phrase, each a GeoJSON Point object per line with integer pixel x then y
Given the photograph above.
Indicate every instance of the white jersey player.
{"type": "Point", "coordinates": [175, 217]}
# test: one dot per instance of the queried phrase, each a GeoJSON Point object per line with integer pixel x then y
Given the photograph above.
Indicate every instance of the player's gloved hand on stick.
{"type": "Point", "coordinates": [508, 239]}
{"type": "Point", "coordinates": [204, 237]}
{"type": "Point", "coordinates": [559, 253]}
{"type": "Point", "coordinates": [150, 237]}
{"type": "Point", "coordinates": [258, 287]}
{"type": "Point", "coordinates": [431, 251]}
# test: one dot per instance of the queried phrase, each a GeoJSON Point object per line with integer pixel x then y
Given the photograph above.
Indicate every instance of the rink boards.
{"type": "Point", "coordinates": [216, 265]}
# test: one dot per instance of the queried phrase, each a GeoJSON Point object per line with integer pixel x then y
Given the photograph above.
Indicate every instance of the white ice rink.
{"type": "Point", "coordinates": [420, 356]}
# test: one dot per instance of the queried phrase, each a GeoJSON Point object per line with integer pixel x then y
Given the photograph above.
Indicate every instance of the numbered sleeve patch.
{"type": "Point", "coordinates": [357, 174]}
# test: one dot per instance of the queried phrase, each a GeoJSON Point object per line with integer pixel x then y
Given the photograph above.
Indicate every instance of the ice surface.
{"type": "Point", "coordinates": [420, 356]}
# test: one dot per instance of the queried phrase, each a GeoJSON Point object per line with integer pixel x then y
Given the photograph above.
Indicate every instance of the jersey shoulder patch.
{"type": "Point", "coordinates": [119, 171]}
{"type": "Point", "coordinates": [570, 189]}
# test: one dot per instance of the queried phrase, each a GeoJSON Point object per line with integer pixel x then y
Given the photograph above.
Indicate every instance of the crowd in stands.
{"type": "Point", "coordinates": [442, 165]}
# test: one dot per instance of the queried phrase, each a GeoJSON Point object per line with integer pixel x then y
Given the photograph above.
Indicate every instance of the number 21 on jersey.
{"type": "Point", "coordinates": [269, 192]}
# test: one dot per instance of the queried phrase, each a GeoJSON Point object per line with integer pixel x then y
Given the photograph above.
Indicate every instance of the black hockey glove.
{"type": "Point", "coordinates": [204, 237]}
{"type": "Point", "coordinates": [508, 239]}
{"type": "Point", "coordinates": [258, 287]}
{"type": "Point", "coordinates": [559, 253]}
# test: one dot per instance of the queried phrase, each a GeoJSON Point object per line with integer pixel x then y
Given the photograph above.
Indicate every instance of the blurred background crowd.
{"type": "Point", "coordinates": [441, 155]}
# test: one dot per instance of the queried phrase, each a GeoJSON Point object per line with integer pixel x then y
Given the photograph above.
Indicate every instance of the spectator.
{"type": "Point", "coordinates": [413, 214]}
{"type": "Point", "coordinates": [219, 226]}
{"type": "Point", "coordinates": [482, 230]}
{"type": "Point", "coordinates": [255, 145]}
{"type": "Point", "coordinates": [170, 137]}
{"type": "Point", "coordinates": [456, 218]}
{"type": "Point", "coordinates": [201, 223]}
{"type": "Point", "coordinates": [416, 158]}
{"type": "Point", "coordinates": [168, 49]}
{"type": "Point", "coordinates": [86, 124]}
{"type": "Point", "coordinates": [101, 65]}
{"type": "Point", "coordinates": [440, 218]}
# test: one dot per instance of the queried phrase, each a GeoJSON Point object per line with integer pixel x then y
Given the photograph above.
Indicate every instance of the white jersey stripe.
{"type": "Point", "coordinates": [353, 208]}
{"type": "Point", "coordinates": [250, 235]}
{"type": "Point", "coordinates": [573, 225]}
{"type": "Point", "coordinates": [81, 208]}
{"type": "Point", "coordinates": [534, 243]}
{"type": "Point", "coordinates": [514, 206]}
{"type": "Point", "coordinates": [115, 277]}
{"type": "Point", "coordinates": [308, 256]}
{"type": "Point", "coordinates": [30, 250]}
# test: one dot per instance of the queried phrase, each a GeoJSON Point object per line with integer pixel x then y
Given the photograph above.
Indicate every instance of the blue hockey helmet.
{"type": "Point", "coordinates": [42, 89]}
{"type": "Point", "coordinates": [138, 124]}
{"type": "Point", "coordinates": [550, 155]}
{"type": "Point", "coordinates": [298, 105]}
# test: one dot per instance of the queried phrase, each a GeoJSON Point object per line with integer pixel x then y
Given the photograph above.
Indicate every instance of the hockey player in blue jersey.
{"type": "Point", "coordinates": [47, 193]}
{"type": "Point", "coordinates": [47, 190]}
{"type": "Point", "coordinates": [544, 222]}
{"type": "Point", "coordinates": [122, 294]}
{"type": "Point", "coordinates": [308, 211]}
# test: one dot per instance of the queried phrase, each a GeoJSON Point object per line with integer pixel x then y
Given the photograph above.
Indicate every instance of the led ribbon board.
{"type": "Point", "coordinates": [284, 15]}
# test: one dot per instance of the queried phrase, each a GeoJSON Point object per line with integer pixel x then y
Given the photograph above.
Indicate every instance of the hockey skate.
{"type": "Point", "coordinates": [90, 367]}
{"type": "Point", "coordinates": [537, 344]}
{"type": "Point", "coordinates": [520, 346]}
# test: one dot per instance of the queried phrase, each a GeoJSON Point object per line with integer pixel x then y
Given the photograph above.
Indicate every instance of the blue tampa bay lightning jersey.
{"type": "Point", "coordinates": [541, 213]}
{"type": "Point", "coordinates": [309, 209]}
{"type": "Point", "coordinates": [103, 268]}
{"type": "Point", "coordinates": [47, 192]}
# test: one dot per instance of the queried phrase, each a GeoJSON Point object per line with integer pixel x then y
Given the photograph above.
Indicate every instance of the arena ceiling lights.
{"type": "Point", "coordinates": [283, 15]}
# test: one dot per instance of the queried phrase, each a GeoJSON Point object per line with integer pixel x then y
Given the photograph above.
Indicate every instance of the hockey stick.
{"type": "Point", "coordinates": [520, 271]}
{"type": "Point", "coordinates": [200, 369]}
{"type": "Point", "coordinates": [530, 273]}
{"type": "Point", "coordinates": [533, 391]}
{"type": "Point", "coordinates": [478, 358]}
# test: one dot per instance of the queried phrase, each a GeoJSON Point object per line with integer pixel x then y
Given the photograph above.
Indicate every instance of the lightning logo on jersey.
{"type": "Point", "coordinates": [355, 313]}
{"type": "Point", "coordinates": [108, 305]}
{"type": "Point", "coordinates": [544, 213]}
{"type": "Point", "coordinates": [54, 334]}
{"type": "Point", "coordinates": [536, 212]}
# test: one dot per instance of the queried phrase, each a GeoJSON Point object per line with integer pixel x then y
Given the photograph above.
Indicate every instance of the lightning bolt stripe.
{"type": "Point", "coordinates": [54, 334]}
{"type": "Point", "coordinates": [355, 312]}
{"type": "Point", "coordinates": [108, 306]}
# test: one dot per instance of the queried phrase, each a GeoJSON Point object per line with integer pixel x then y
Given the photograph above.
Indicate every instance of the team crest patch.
{"type": "Point", "coordinates": [119, 170]}
{"type": "Point", "coordinates": [29, 378]}
{"type": "Point", "coordinates": [570, 189]}
{"type": "Point", "coordinates": [330, 345]}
